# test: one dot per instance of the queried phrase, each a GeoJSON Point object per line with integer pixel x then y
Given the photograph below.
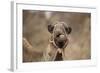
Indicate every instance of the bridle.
{"type": "Point", "coordinates": [60, 50]}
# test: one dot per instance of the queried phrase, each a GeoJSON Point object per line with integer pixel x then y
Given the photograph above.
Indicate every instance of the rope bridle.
{"type": "Point", "coordinates": [60, 50]}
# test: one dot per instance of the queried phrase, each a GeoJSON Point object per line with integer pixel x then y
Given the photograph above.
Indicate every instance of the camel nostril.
{"type": "Point", "coordinates": [58, 35]}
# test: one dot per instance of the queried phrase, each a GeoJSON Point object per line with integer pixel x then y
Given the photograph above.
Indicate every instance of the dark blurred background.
{"type": "Point", "coordinates": [36, 33]}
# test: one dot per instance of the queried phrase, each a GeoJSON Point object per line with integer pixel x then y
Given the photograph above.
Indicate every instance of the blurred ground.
{"type": "Point", "coordinates": [36, 32]}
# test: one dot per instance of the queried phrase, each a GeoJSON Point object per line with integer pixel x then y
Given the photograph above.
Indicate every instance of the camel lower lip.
{"type": "Point", "coordinates": [60, 44]}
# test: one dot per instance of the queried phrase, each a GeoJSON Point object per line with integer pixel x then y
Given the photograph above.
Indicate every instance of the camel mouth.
{"type": "Point", "coordinates": [60, 40]}
{"type": "Point", "coordinates": [60, 44]}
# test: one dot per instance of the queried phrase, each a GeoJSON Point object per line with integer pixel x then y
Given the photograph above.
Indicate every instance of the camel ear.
{"type": "Point", "coordinates": [50, 28]}
{"type": "Point", "coordinates": [68, 30]}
